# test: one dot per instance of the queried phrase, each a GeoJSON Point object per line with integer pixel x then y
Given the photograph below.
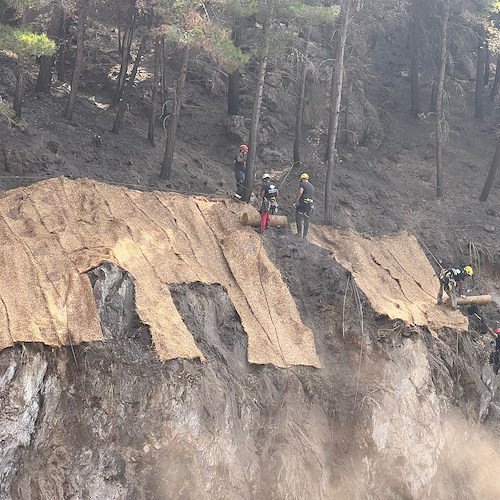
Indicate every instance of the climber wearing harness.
{"type": "Point", "coordinates": [240, 165]}
{"type": "Point", "coordinates": [451, 281]}
{"type": "Point", "coordinates": [268, 193]}
{"type": "Point", "coordinates": [303, 205]}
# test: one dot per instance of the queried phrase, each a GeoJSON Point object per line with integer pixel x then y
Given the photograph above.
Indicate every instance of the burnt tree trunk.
{"type": "Point", "coordinates": [61, 49]}
{"type": "Point", "coordinates": [335, 100]}
{"type": "Point", "coordinates": [415, 22]}
{"type": "Point", "coordinates": [301, 97]}
{"type": "Point", "coordinates": [129, 85]}
{"type": "Point", "coordinates": [18, 96]}
{"type": "Point", "coordinates": [433, 103]}
{"type": "Point", "coordinates": [479, 90]}
{"type": "Point", "coordinates": [257, 104]}
{"type": "Point", "coordinates": [154, 91]}
{"type": "Point", "coordinates": [124, 49]}
{"type": "Point", "coordinates": [348, 93]}
{"type": "Point", "coordinates": [163, 73]}
{"type": "Point", "coordinates": [44, 79]}
{"type": "Point", "coordinates": [180, 86]}
{"type": "Point", "coordinates": [496, 81]}
{"type": "Point", "coordinates": [233, 93]}
{"type": "Point", "coordinates": [233, 83]}
{"type": "Point", "coordinates": [487, 64]}
{"type": "Point", "coordinates": [491, 174]}
{"type": "Point", "coordinates": [440, 119]}
{"type": "Point", "coordinates": [80, 37]}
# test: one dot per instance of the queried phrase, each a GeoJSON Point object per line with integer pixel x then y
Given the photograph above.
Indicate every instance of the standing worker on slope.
{"type": "Point", "coordinates": [303, 205]}
{"type": "Point", "coordinates": [268, 193]}
{"type": "Point", "coordinates": [452, 281]}
{"type": "Point", "coordinates": [240, 165]}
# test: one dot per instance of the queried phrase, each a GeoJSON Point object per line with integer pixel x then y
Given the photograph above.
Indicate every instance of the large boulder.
{"type": "Point", "coordinates": [236, 127]}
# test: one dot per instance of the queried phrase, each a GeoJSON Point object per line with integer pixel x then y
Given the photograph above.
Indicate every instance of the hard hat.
{"type": "Point", "coordinates": [266, 176]}
{"type": "Point", "coordinates": [468, 270]}
{"type": "Point", "coordinates": [497, 331]}
{"type": "Point", "coordinates": [244, 148]}
{"type": "Point", "coordinates": [304, 176]}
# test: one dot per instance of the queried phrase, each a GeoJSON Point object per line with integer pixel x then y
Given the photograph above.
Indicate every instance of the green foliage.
{"type": "Point", "coordinates": [24, 43]}
{"type": "Point", "coordinates": [240, 9]}
{"type": "Point", "coordinates": [219, 46]}
{"type": "Point", "coordinates": [186, 22]}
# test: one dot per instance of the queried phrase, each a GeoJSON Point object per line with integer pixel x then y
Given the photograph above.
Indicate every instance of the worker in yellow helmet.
{"type": "Point", "coordinates": [452, 281]}
{"type": "Point", "coordinates": [303, 205]}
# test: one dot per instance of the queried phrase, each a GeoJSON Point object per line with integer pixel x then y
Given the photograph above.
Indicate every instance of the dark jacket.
{"type": "Point", "coordinates": [240, 161]}
{"type": "Point", "coordinates": [269, 190]}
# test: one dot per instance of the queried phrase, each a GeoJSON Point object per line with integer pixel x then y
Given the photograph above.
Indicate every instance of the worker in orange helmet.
{"type": "Point", "coordinates": [240, 165]}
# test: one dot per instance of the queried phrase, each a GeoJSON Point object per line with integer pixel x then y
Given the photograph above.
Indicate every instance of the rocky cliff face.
{"type": "Point", "coordinates": [109, 420]}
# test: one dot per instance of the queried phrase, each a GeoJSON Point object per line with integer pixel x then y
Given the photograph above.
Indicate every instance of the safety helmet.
{"type": "Point", "coordinates": [497, 331]}
{"type": "Point", "coordinates": [468, 270]}
{"type": "Point", "coordinates": [304, 177]}
{"type": "Point", "coordinates": [266, 176]}
{"type": "Point", "coordinates": [244, 148]}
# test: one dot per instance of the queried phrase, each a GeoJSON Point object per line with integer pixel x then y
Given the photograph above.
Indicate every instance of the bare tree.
{"type": "Point", "coordinates": [487, 64]}
{"type": "Point", "coordinates": [154, 91]}
{"type": "Point", "coordinates": [257, 104]}
{"type": "Point", "coordinates": [335, 100]}
{"type": "Point", "coordinates": [299, 115]}
{"type": "Point", "coordinates": [491, 174]}
{"type": "Point", "coordinates": [233, 83]}
{"type": "Point", "coordinates": [440, 118]}
{"type": "Point", "coordinates": [54, 31]}
{"type": "Point", "coordinates": [481, 60]}
{"type": "Point", "coordinates": [415, 23]}
{"type": "Point", "coordinates": [496, 81]}
{"type": "Point", "coordinates": [80, 37]}
{"type": "Point", "coordinates": [122, 107]}
{"type": "Point", "coordinates": [180, 86]}
{"type": "Point", "coordinates": [124, 48]}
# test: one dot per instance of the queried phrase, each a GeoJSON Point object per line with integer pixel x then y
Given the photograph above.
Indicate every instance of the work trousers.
{"type": "Point", "coordinates": [265, 220]}
{"type": "Point", "coordinates": [302, 213]}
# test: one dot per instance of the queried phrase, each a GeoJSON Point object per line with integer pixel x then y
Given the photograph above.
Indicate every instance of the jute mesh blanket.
{"type": "Point", "coordinates": [394, 274]}
{"type": "Point", "coordinates": [53, 232]}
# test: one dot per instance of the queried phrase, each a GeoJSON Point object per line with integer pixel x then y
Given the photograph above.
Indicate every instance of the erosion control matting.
{"type": "Point", "coordinates": [394, 274]}
{"type": "Point", "coordinates": [53, 232]}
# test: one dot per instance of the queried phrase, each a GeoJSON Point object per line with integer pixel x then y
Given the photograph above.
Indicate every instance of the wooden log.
{"type": "Point", "coordinates": [472, 299]}
{"type": "Point", "coordinates": [253, 219]}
